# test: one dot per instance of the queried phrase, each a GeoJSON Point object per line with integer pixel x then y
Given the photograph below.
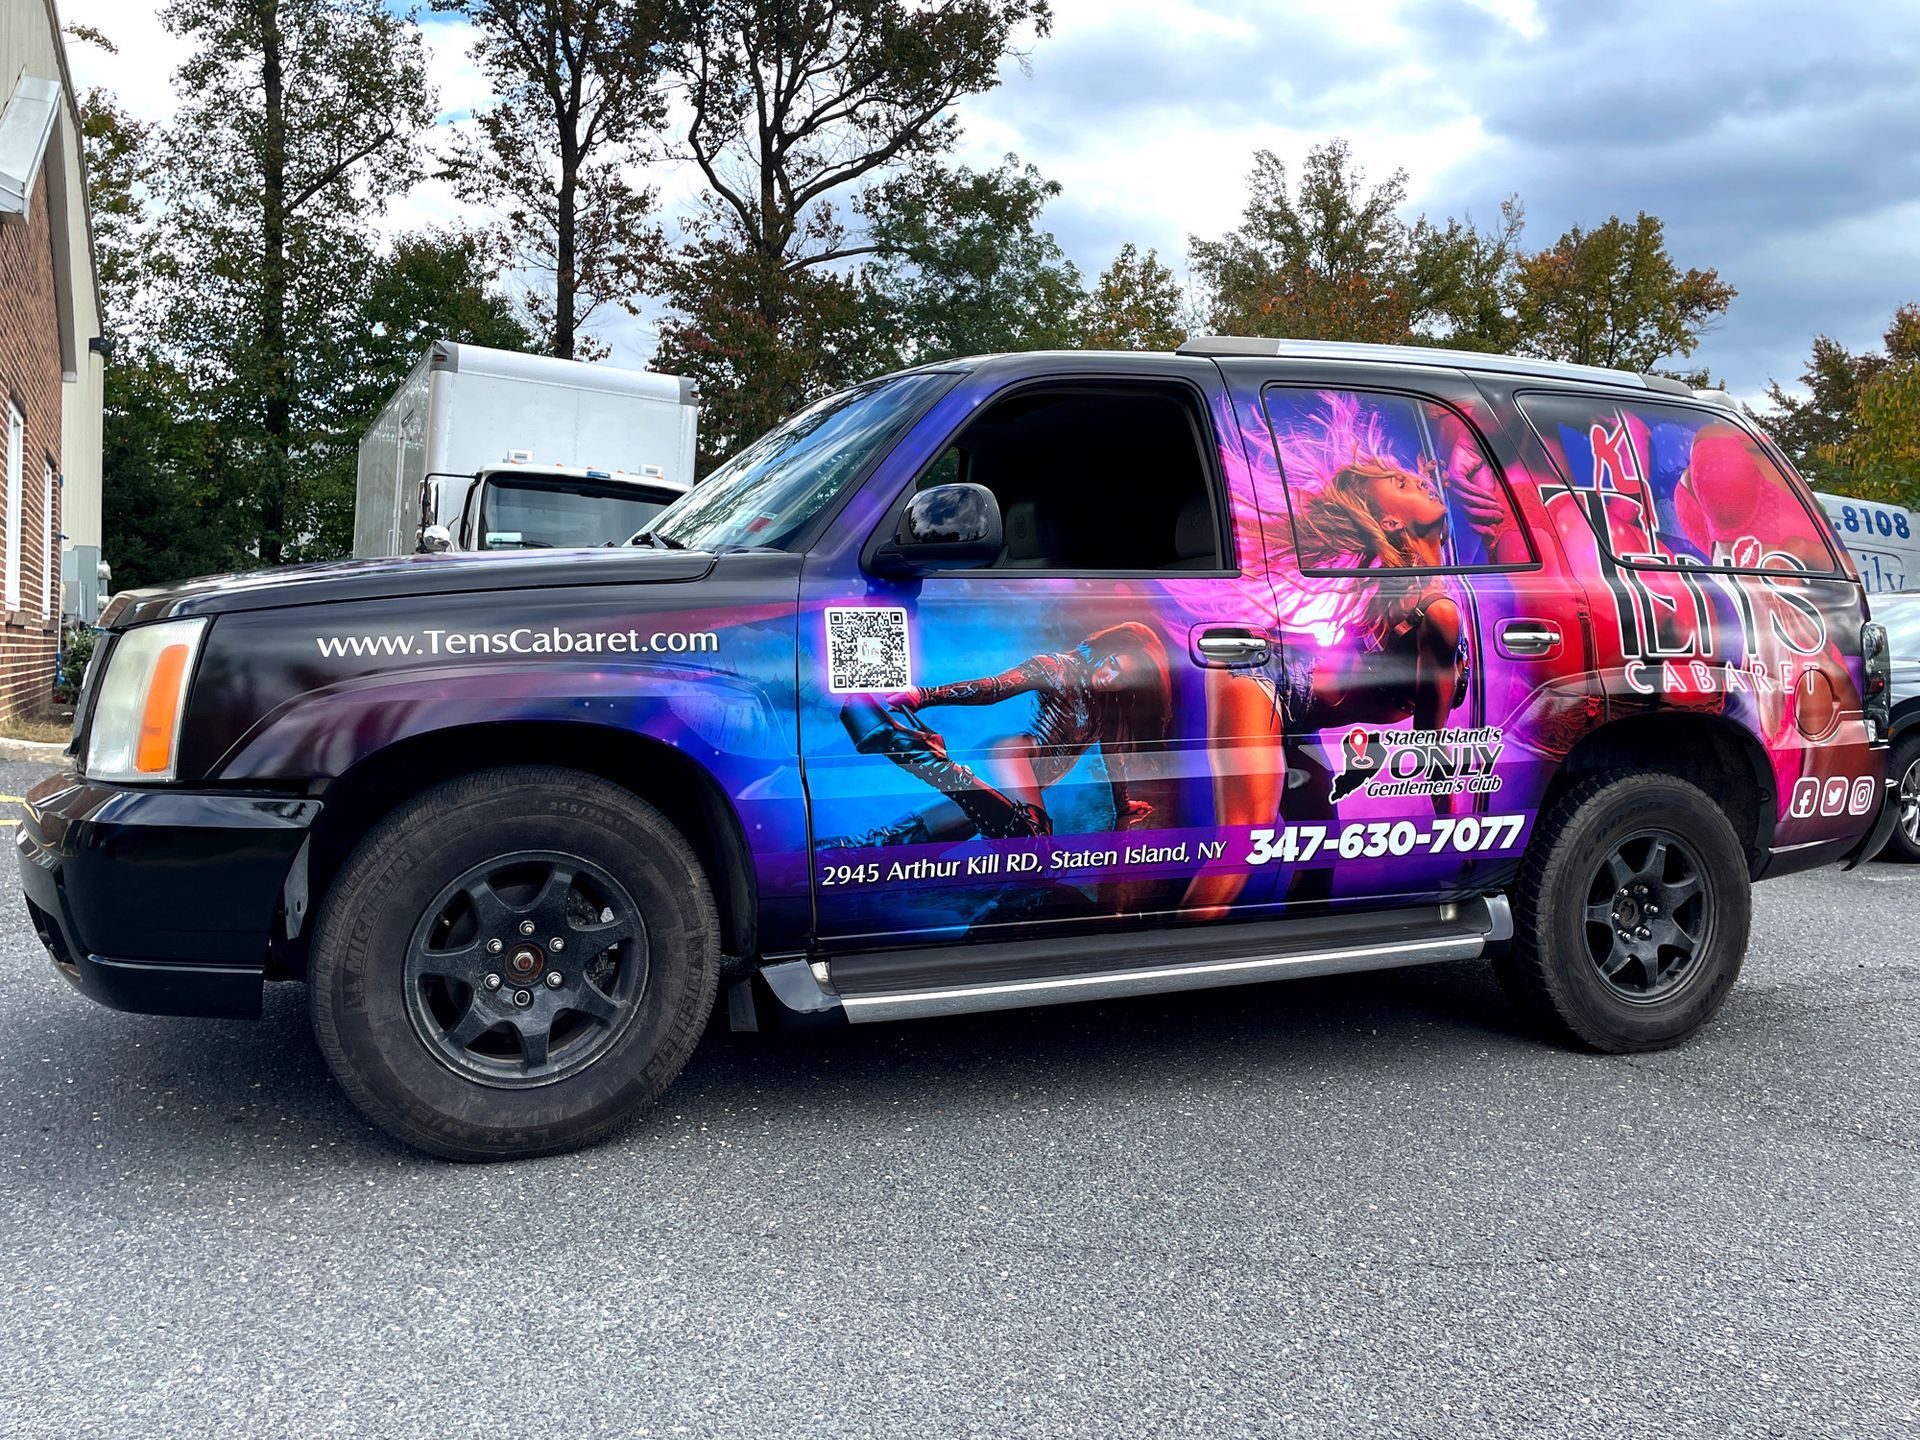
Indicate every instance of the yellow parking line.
{"type": "Point", "coordinates": [14, 799]}
{"type": "Point", "coordinates": [9, 822]}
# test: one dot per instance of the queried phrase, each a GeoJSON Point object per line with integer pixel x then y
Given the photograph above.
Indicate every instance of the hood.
{"type": "Point", "coordinates": [405, 575]}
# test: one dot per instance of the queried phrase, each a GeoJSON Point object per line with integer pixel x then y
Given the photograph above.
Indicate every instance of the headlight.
{"type": "Point", "coordinates": [135, 732]}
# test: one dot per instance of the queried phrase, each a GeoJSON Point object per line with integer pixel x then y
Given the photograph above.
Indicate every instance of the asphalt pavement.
{"type": "Point", "coordinates": [1363, 1206]}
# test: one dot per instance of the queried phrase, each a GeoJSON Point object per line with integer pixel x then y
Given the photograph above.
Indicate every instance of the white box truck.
{"type": "Point", "coordinates": [1884, 540]}
{"type": "Point", "coordinates": [483, 449]}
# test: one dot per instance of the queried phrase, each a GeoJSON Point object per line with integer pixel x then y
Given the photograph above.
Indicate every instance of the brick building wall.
{"type": "Point", "coordinates": [29, 380]}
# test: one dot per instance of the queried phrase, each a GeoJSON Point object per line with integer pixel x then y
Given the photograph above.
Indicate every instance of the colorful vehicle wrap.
{"type": "Point", "coordinates": [1341, 668]}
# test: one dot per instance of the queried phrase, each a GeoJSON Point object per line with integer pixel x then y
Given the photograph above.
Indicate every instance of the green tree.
{"type": "Point", "coordinates": [298, 119]}
{"type": "Point", "coordinates": [793, 110]}
{"type": "Point", "coordinates": [577, 104]}
{"type": "Point", "coordinates": [1877, 453]}
{"type": "Point", "coordinates": [1813, 428]}
{"type": "Point", "coordinates": [1613, 296]}
{"type": "Point", "coordinates": [165, 472]}
{"type": "Point", "coordinates": [963, 267]}
{"type": "Point", "coordinates": [1134, 304]}
{"type": "Point", "coordinates": [1331, 258]}
{"type": "Point", "coordinates": [431, 285]}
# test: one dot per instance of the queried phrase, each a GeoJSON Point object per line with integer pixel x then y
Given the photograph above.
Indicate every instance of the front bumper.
{"type": "Point", "coordinates": [159, 901]}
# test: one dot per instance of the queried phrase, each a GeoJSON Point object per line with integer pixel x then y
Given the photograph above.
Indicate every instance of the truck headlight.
{"type": "Point", "coordinates": [135, 730]}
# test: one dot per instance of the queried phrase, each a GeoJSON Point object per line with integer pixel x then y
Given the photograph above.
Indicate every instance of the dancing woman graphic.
{"type": "Point", "coordinates": [1112, 690]}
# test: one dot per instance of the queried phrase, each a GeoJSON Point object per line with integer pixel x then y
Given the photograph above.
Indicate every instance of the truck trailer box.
{"type": "Point", "coordinates": [610, 444]}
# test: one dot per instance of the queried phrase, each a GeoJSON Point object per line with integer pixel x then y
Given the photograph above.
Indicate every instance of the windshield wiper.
{"type": "Point", "coordinates": [657, 541]}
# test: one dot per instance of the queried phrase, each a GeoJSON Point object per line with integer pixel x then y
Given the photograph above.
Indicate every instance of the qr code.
{"type": "Point", "coordinates": [867, 650]}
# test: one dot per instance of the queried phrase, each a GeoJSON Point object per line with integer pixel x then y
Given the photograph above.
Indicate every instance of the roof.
{"type": "Point", "coordinates": [1223, 346]}
{"type": "Point", "coordinates": [461, 358]}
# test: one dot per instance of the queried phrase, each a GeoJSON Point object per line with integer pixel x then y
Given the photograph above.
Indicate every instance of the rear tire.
{"type": "Point", "coordinates": [1632, 913]}
{"type": "Point", "coordinates": [1904, 766]}
{"type": "Point", "coordinates": [513, 963]}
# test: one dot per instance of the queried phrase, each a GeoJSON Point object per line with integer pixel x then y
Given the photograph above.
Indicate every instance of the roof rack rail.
{"type": "Point", "coordinates": [1223, 346]}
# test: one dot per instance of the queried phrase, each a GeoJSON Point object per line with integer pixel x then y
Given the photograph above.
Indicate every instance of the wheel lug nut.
{"type": "Point", "coordinates": [492, 982]}
{"type": "Point", "coordinates": [494, 947]}
{"type": "Point", "coordinates": [526, 927]}
{"type": "Point", "coordinates": [1639, 889]}
{"type": "Point", "coordinates": [557, 944]}
{"type": "Point", "coordinates": [555, 980]}
{"type": "Point", "coordinates": [1643, 932]}
{"type": "Point", "coordinates": [523, 998]}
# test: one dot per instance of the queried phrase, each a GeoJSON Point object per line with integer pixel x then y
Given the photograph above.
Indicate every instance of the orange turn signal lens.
{"type": "Point", "coordinates": [153, 751]}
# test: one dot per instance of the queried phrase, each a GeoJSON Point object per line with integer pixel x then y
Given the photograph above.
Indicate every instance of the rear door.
{"type": "Point", "coordinates": [1421, 639]}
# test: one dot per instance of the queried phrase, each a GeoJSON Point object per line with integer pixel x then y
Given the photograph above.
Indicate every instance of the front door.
{"type": "Point", "coordinates": [1046, 740]}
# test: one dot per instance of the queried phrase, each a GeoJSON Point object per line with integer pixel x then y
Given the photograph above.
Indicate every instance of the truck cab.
{"type": "Point", "coordinates": [1015, 680]}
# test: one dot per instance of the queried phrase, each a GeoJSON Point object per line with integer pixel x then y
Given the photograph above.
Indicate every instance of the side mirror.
{"type": "Point", "coordinates": [435, 540]}
{"type": "Point", "coordinates": [947, 527]}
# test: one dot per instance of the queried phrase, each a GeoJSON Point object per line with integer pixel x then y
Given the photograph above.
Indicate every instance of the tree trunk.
{"type": "Point", "coordinates": [277, 402]}
{"type": "Point", "coordinates": [565, 282]}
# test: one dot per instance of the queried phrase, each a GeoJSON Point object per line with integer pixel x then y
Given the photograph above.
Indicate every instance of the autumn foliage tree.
{"type": "Point", "coordinates": [1613, 296]}
{"type": "Point", "coordinates": [1136, 303]}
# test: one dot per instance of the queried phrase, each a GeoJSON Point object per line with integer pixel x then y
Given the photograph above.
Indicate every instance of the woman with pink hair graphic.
{"type": "Point", "coordinates": [1389, 647]}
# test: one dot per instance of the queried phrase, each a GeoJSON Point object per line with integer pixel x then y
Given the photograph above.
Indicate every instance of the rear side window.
{"type": "Point", "coordinates": [1662, 482]}
{"type": "Point", "coordinates": [1379, 479]}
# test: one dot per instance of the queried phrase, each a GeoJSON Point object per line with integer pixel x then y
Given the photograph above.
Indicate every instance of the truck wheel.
{"type": "Point", "coordinates": [1904, 766]}
{"type": "Point", "coordinates": [513, 963]}
{"type": "Point", "coordinates": [1631, 915]}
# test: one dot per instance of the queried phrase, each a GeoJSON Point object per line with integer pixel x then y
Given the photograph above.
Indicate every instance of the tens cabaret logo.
{"type": "Point", "coordinates": [1418, 762]}
{"type": "Point", "coordinates": [1666, 598]}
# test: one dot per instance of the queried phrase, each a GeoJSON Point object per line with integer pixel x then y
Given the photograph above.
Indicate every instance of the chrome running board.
{"type": "Point", "coordinates": [1003, 975]}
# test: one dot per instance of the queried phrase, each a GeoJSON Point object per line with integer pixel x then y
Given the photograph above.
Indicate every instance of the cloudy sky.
{"type": "Point", "coordinates": [1779, 141]}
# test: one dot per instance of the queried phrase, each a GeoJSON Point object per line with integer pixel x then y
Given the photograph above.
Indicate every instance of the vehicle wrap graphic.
{"type": "Point", "coordinates": [985, 751]}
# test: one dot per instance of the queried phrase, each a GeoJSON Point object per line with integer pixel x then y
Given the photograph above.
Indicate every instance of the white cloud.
{"type": "Point", "coordinates": [1776, 147]}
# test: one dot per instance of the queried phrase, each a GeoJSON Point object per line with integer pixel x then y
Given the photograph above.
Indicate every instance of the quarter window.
{"type": "Point", "coordinates": [1660, 483]}
{"type": "Point", "coordinates": [1376, 479]}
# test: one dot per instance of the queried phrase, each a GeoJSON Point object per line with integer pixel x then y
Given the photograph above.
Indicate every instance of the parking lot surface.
{"type": "Point", "coordinates": [1360, 1206]}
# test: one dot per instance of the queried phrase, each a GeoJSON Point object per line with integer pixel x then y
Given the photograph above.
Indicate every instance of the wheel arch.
{"type": "Point", "coordinates": [666, 778]}
{"type": "Point", "coordinates": [1906, 718]}
{"type": "Point", "coordinates": [1727, 760]}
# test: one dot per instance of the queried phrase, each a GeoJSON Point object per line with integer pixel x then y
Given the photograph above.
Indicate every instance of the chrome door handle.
{"type": "Point", "coordinates": [1232, 647]}
{"type": "Point", "coordinates": [1529, 637]}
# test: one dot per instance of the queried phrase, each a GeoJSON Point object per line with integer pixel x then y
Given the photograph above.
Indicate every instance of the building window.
{"type": "Point", "coordinates": [50, 585]}
{"type": "Point", "coordinates": [16, 455]}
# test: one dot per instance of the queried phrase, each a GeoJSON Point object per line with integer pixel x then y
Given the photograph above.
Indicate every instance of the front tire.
{"type": "Point", "coordinates": [1631, 913]}
{"type": "Point", "coordinates": [1904, 766]}
{"type": "Point", "coordinates": [513, 963]}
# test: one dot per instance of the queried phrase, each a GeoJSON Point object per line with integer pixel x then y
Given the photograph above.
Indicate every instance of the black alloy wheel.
{"type": "Point", "coordinates": [526, 968]}
{"type": "Point", "coordinates": [513, 962]}
{"type": "Point", "coordinates": [1649, 909]}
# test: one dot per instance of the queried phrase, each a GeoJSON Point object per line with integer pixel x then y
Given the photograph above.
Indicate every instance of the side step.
{"type": "Point", "coordinates": [1007, 975]}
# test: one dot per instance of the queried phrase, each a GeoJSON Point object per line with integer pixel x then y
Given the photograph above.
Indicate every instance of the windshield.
{"type": "Point", "coordinates": [764, 494]}
{"type": "Point", "coordinates": [534, 514]}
